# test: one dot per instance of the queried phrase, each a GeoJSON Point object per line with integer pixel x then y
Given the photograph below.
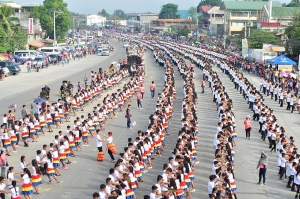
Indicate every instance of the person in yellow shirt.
{"type": "Point", "coordinates": [276, 73]}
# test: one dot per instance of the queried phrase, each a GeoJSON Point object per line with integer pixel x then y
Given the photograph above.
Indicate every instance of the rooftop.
{"type": "Point", "coordinates": [29, 5]}
{"type": "Point", "coordinates": [247, 5]}
{"type": "Point", "coordinates": [143, 14]}
{"type": "Point", "coordinates": [205, 8]}
{"type": "Point", "coordinates": [215, 10]}
{"type": "Point", "coordinates": [282, 12]}
{"type": "Point", "coordinates": [184, 14]}
{"type": "Point", "coordinates": [12, 4]}
{"type": "Point", "coordinates": [175, 20]}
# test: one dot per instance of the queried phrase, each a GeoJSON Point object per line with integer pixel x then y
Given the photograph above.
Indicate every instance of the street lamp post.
{"type": "Point", "coordinates": [54, 27]}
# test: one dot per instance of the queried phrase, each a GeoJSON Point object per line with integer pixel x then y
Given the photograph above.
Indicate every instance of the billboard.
{"type": "Point", "coordinates": [30, 26]}
{"type": "Point", "coordinates": [244, 47]}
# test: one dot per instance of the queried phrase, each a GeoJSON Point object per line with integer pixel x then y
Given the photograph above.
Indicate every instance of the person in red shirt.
{"type": "Point", "coordinates": [152, 89]}
{"type": "Point", "coordinates": [247, 124]}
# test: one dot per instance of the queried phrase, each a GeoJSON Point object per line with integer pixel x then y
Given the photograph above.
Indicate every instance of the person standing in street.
{"type": "Point", "coordinates": [142, 90]}
{"type": "Point", "coordinates": [139, 100]}
{"type": "Point", "coordinates": [24, 111]}
{"type": "Point", "coordinates": [203, 85]}
{"type": "Point", "coordinates": [152, 89]}
{"type": "Point", "coordinates": [247, 124]}
{"type": "Point", "coordinates": [10, 118]}
{"type": "Point", "coordinates": [128, 116]}
{"type": "Point", "coordinates": [262, 166]}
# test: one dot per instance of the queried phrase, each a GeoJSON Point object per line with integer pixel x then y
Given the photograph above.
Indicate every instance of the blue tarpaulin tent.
{"type": "Point", "coordinates": [281, 60]}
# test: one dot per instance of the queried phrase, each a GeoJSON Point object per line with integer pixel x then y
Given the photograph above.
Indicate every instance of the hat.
{"type": "Point", "coordinates": [110, 133]}
{"type": "Point", "coordinates": [248, 116]}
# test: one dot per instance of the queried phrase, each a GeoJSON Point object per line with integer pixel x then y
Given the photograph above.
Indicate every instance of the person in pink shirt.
{"type": "Point", "coordinates": [139, 100]}
{"type": "Point", "coordinates": [152, 89]}
{"type": "Point", "coordinates": [142, 90]}
{"type": "Point", "coordinates": [247, 124]}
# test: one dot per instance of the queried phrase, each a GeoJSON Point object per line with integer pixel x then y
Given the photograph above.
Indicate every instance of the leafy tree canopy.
{"type": "Point", "coordinates": [7, 19]}
{"type": "Point", "coordinates": [45, 14]}
{"type": "Point", "coordinates": [293, 34]}
{"type": "Point", "coordinates": [169, 11]}
{"type": "Point", "coordinates": [104, 13]}
{"type": "Point", "coordinates": [193, 14]}
{"type": "Point", "coordinates": [120, 14]}
{"type": "Point", "coordinates": [257, 38]}
{"type": "Point", "coordinates": [293, 3]}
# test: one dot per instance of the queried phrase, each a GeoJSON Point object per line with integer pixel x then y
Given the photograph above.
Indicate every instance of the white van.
{"type": "Point", "coordinates": [51, 50]}
{"type": "Point", "coordinates": [29, 53]}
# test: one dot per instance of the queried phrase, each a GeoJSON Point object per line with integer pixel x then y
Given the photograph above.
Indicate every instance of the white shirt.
{"type": "Point", "coordinates": [210, 186]}
{"type": "Point", "coordinates": [99, 141]}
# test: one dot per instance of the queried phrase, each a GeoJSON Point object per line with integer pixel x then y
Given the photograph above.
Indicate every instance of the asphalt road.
{"type": "Point", "coordinates": [25, 87]}
{"type": "Point", "coordinates": [85, 174]}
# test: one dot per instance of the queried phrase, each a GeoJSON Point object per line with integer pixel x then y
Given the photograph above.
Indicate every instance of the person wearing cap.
{"type": "Point", "coordinates": [247, 124]}
{"type": "Point", "coordinates": [262, 166]}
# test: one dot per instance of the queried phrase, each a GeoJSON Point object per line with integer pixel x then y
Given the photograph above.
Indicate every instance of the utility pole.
{"type": "Point", "coordinates": [54, 27]}
{"type": "Point", "coordinates": [249, 23]}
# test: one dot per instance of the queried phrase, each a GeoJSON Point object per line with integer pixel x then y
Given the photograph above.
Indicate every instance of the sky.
{"type": "Point", "coordinates": [128, 6]}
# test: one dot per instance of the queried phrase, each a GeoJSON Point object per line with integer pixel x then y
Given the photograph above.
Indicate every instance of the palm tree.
{"type": "Point", "coordinates": [7, 19]}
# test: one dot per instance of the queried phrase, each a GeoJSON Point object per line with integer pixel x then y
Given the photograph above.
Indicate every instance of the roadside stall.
{"type": "Point", "coordinates": [284, 63]}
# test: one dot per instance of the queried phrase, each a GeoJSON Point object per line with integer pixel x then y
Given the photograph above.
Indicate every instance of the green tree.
{"type": "Point", "coordinates": [257, 38]}
{"type": "Point", "coordinates": [293, 3]}
{"type": "Point", "coordinates": [104, 13]}
{"type": "Point", "coordinates": [8, 19]}
{"type": "Point", "coordinates": [18, 39]}
{"type": "Point", "coordinates": [45, 14]}
{"type": "Point", "coordinates": [169, 11]}
{"type": "Point", "coordinates": [3, 40]}
{"type": "Point", "coordinates": [193, 14]}
{"type": "Point", "coordinates": [184, 31]}
{"type": "Point", "coordinates": [119, 14]}
{"type": "Point", "coordinates": [208, 3]}
{"type": "Point", "coordinates": [293, 34]}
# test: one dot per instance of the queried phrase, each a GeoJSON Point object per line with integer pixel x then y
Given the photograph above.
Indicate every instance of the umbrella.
{"type": "Point", "coordinates": [114, 62]}
{"type": "Point", "coordinates": [39, 100]}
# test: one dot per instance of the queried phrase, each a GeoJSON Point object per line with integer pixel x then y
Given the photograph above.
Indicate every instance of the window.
{"type": "Point", "coordinates": [237, 23]}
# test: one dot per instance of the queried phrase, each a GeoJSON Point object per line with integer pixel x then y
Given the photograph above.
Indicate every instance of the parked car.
{"type": "Point", "coordinates": [40, 61]}
{"type": "Point", "coordinates": [13, 67]}
{"type": "Point", "coordinates": [19, 60]}
{"type": "Point", "coordinates": [105, 52]}
{"type": "Point", "coordinates": [26, 56]}
{"type": "Point", "coordinates": [105, 42]}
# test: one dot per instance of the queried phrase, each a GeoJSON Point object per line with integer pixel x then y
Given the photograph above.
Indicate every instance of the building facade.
{"type": "Point", "coordinates": [242, 14]}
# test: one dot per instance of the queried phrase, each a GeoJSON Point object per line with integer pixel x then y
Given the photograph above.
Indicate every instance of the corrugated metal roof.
{"type": "Point", "coordinates": [247, 5]}
{"type": "Point", "coordinates": [184, 14]}
{"type": "Point", "coordinates": [284, 12]}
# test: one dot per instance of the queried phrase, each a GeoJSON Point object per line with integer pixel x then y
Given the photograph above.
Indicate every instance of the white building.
{"type": "Point", "coordinates": [95, 20]}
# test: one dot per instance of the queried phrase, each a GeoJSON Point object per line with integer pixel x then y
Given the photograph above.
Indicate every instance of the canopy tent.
{"type": "Point", "coordinates": [281, 60]}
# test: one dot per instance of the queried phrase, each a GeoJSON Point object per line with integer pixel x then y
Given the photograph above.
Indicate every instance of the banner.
{"type": "Point", "coordinates": [30, 26]}
{"type": "Point", "coordinates": [285, 68]}
{"type": "Point", "coordinates": [244, 48]}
